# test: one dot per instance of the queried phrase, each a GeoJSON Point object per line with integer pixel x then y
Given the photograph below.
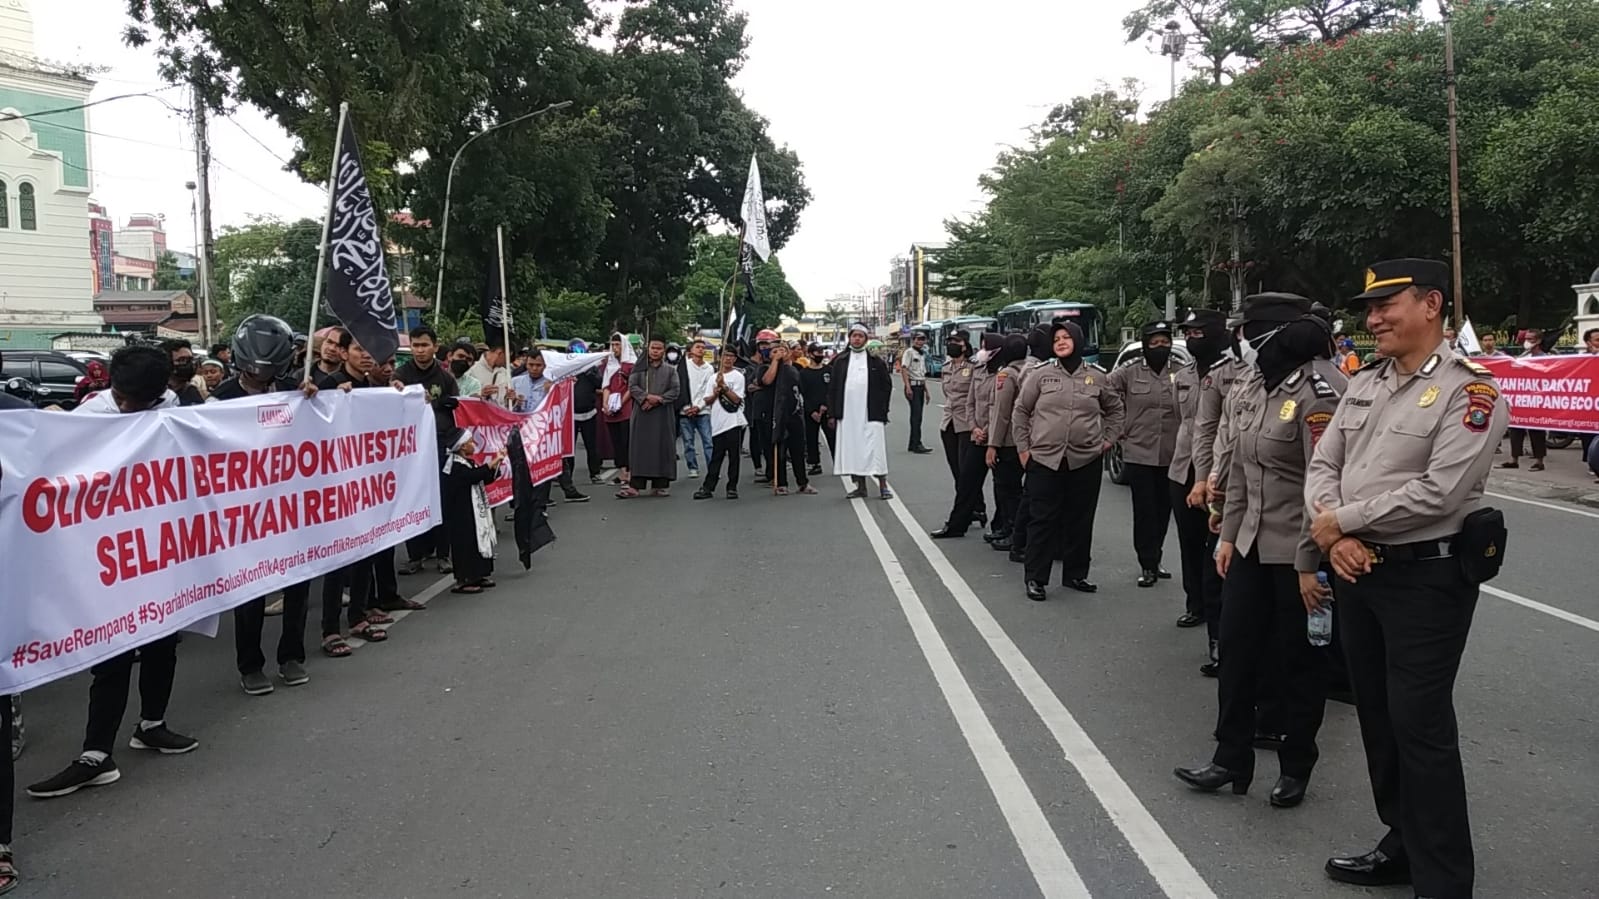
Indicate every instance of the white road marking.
{"type": "Point", "coordinates": [1052, 869]}
{"type": "Point", "coordinates": [1166, 863]}
{"type": "Point", "coordinates": [1537, 606]}
{"type": "Point", "coordinates": [1542, 505]}
{"type": "Point", "coordinates": [426, 596]}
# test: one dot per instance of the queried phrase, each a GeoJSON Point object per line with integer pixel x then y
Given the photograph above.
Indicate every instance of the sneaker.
{"type": "Point", "coordinates": [83, 772]}
{"type": "Point", "coordinates": [293, 673]}
{"type": "Point", "coordinates": [575, 497]}
{"type": "Point", "coordinates": [693, 474]}
{"type": "Point", "coordinates": [813, 471]}
{"type": "Point", "coordinates": [275, 607]}
{"type": "Point", "coordinates": [732, 493]}
{"type": "Point", "coordinates": [163, 740]}
{"type": "Point", "coordinates": [596, 480]}
{"type": "Point", "coordinates": [255, 684]}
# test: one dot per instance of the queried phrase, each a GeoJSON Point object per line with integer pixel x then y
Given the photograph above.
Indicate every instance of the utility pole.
{"type": "Point", "coordinates": [202, 153]}
{"type": "Point", "coordinates": [1172, 44]}
{"type": "Point", "coordinates": [1454, 167]}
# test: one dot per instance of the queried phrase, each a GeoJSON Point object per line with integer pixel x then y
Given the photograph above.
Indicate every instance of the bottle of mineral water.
{"type": "Point", "coordinates": [1318, 624]}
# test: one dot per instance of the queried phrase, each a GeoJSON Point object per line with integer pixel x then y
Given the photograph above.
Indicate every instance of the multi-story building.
{"type": "Point", "coordinates": [102, 248]}
{"type": "Point", "coordinates": [45, 181]}
{"type": "Point", "coordinates": [144, 237]}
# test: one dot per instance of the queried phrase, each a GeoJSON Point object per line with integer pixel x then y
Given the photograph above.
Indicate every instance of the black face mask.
{"type": "Point", "coordinates": [1208, 347]}
{"type": "Point", "coordinates": [458, 367]}
{"type": "Point", "coordinates": [1157, 356]}
{"type": "Point", "coordinates": [954, 350]}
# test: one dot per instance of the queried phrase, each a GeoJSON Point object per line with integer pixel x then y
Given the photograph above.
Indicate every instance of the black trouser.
{"type": "Point", "coordinates": [249, 620]}
{"type": "Point", "coordinates": [385, 585]}
{"type": "Point", "coordinates": [760, 442]}
{"type": "Point", "coordinates": [642, 483]}
{"type": "Point", "coordinates": [969, 486]}
{"type": "Point", "coordinates": [108, 693]}
{"type": "Point", "coordinates": [434, 543]}
{"type": "Point", "coordinates": [728, 445]}
{"type": "Point", "coordinates": [1404, 627]}
{"type": "Point", "coordinates": [918, 403]}
{"type": "Point", "coordinates": [1540, 443]}
{"type": "Point", "coordinates": [1151, 512]}
{"type": "Point", "coordinates": [1193, 535]}
{"type": "Point", "coordinates": [564, 481]}
{"type": "Point", "coordinates": [358, 577]}
{"type": "Point", "coordinates": [952, 440]}
{"type": "Point", "coordinates": [1007, 489]}
{"type": "Point", "coordinates": [791, 454]}
{"type": "Point", "coordinates": [1263, 617]}
{"type": "Point", "coordinates": [814, 430]}
{"type": "Point", "coordinates": [621, 434]}
{"type": "Point", "coordinates": [1061, 520]}
{"type": "Point", "coordinates": [589, 430]}
{"type": "Point", "coordinates": [1024, 514]}
{"type": "Point", "coordinates": [8, 776]}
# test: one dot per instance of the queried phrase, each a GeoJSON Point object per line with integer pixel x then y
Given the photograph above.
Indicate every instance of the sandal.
{"type": "Point", "coordinates": [334, 647]}
{"type": "Point", "coordinates": [781, 491]}
{"type": "Point", "coordinates": [8, 873]}
{"type": "Point", "coordinates": [662, 492]}
{"type": "Point", "coordinates": [808, 490]}
{"type": "Point", "coordinates": [401, 604]}
{"type": "Point", "coordinates": [887, 493]}
{"type": "Point", "coordinates": [445, 567]}
{"type": "Point", "coordinates": [413, 567]}
{"type": "Point", "coordinates": [377, 616]}
{"type": "Point", "coordinates": [486, 582]}
{"type": "Point", "coordinates": [857, 493]}
{"type": "Point", "coordinates": [369, 632]}
{"type": "Point", "coordinates": [626, 493]}
{"type": "Point", "coordinates": [466, 588]}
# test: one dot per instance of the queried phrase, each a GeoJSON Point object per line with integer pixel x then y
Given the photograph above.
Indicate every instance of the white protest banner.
{"type": "Point", "coordinates": [120, 529]}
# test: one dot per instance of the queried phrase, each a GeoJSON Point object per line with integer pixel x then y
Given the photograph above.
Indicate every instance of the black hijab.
{"type": "Point", "coordinates": [1038, 343]}
{"type": "Point", "coordinates": [1011, 348]}
{"type": "Point", "coordinates": [1072, 362]}
{"type": "Point", "coordinates": [1291, 346]}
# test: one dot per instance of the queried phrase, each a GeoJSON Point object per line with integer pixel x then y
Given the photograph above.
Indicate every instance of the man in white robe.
{"type": "Point", "coordinates": [861, 386]}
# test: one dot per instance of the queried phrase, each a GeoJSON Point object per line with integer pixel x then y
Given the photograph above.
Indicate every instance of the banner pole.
{"type": "Point", "coordinates": [327, 223]}
{"type": "Point", "coordinates": [505, 300]}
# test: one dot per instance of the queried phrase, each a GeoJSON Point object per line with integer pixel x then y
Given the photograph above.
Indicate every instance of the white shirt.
{"type": "Point", "coordinates": [722, 420]}
{"type": "Point", "coordinates": [491, 377]}
{"type": "Point", "coordinates": [103, 403]}
{"type": "Point", "coordinates": [701, 377]}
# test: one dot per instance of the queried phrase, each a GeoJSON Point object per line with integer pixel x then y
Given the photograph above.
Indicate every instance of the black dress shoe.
{"type": "Point", "coordinates": [1002, 543]}
{"type": "Point", "coordinates": [1210, 669]}
{"type": "Point", "coordinates": [702, 493]}
{"type": "Point", "coordinates": [980, 519]}
{"type": "Point", "coordinates": [1162, 573]}
{"type": "Point", "coordinates": [946, 533]}
{"type": "Point", "coordinates": [1035, 591]}
{"type": "Point", "coordinates": [1374, 869]}
{"type": "Point", "coordinates": [1289, 792]}
{"type": "Point", "coordinates": [1081, 585]}
{"type": "Point", "coordinates": [920, 450]}
{"type": "Point", "coordinates": [1212, 777]}
{"type": "Point", "coordinates": [813, 471]}
{"type": "Point", "coordinates": [1269, 742]}
{"type": "Point", "coordinates": [1147, 578]}
{"type": "Point", "coordinates": [1189, 619]}
{"type": "Point", "coordinates": [1017, 556]}
{"type": "Point", "coordinates": [731, 493]}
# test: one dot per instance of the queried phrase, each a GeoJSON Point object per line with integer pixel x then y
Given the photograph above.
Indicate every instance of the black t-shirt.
{"type": "Point", "coordinates": [189, 395]}
{"type": "Point", "coordinates": [342, 377]}
{"type": "Point", "coordinates": [231, 389]}
{"type": "Point", "coordinates": [787, 400]}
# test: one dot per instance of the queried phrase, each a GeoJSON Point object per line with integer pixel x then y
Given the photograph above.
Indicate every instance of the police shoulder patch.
{"type": "Point", "coordinates": [1477, 368]}
{"type": "Point", "coordinates": [1317, 422]}
{"type": "Point", "coordinates": [1096, 365]}
{"type": "Point", "coordinates": [1323, 389]}
{"type": "Point", "coordinates": [1294, 379]}
{"type": "Point", "coordinates": [1376, 365]}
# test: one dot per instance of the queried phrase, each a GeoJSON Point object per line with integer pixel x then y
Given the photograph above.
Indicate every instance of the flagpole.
{"type": "Point", "coordinates": [505, 301]}
{"type": "Point", "coordinates": [327, 223]}
{"type": "Point", "coordinates": [738, 258]}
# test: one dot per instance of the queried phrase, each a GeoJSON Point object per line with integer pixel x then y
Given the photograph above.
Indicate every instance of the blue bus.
{"type": "Point", "coordinates": [1024, 316]}
{"type": "Point", "coordinates": [939, 332]}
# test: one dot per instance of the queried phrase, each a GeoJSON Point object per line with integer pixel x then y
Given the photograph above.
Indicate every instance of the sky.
{"type": "Point", "coordinates": [894, 107]}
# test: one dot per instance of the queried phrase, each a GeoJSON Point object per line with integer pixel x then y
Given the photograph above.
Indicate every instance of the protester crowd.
{"type": "Point", "coordinates": [1264, 450]}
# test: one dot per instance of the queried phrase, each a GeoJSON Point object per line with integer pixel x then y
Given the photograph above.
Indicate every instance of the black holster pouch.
{"type": "Point", "coordinates": [1481, 545]}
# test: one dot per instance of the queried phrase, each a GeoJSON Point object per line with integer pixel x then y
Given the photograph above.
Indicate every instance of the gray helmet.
{"type": "Point", "coordinates": [263, 345]}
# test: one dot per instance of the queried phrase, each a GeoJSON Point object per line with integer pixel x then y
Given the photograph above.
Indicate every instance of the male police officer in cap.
{"type": "Point", "coordinates": [1148, 389]}
{"type": "Point", "coordinates": [1395, 489]}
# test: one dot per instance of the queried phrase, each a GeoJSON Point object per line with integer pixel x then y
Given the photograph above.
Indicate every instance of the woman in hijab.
{"type": "Point", "coordinates": [971, 466]}
{"type": "Point", "coordinates": [1279, 410]}
{"type": "Point", "coordinates": [1066, 417]}
{"type": "Point", "coordinates": [1004, 367]}
{"type": "Point", "coordinates": [467, 513]}
{"type": "Point", "coordinates": [96, 380]}
{"type": "Point", "coordinates": [1040, 349]}
{"type": "Point", "coordinates": [616, 403]}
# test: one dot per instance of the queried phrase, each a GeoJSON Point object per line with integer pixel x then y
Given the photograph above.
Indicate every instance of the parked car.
{"type": "Point", "coordinates": [47, 378]}
{"type": "Point", "coordinates": [1129, 354]}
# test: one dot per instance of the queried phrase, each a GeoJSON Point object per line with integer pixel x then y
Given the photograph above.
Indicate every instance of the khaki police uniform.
{"type": "Point", "coordinates": [1404, 461]}
{"type": "Point", "coordinates": [1007, 469]}
{"type": "Point", "coordinates": [1064, 420]}
{"type": "Point", "coordinates": [965, 383]}
{"type": "Point", "coordinates": [956, 418]}
{"type": "Point", "coordinates": [1147, 445]}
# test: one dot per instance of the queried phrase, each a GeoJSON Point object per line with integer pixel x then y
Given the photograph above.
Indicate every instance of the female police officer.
{"type": "Point", "coordinates": [1266, 554]}
{"type": "Point", "coordinates": [1066, 416]}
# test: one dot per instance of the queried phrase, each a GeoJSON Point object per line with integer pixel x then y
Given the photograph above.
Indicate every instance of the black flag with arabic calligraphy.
{"type": "Point", "coordinates": [358, 281]}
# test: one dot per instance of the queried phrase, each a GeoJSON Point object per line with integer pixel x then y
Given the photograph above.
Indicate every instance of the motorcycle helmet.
{"type": "Point", "coordinates": [263, 345]}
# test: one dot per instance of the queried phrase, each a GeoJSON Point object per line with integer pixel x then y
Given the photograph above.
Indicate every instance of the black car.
{"type": "Point", "coordinates": [43, 377]}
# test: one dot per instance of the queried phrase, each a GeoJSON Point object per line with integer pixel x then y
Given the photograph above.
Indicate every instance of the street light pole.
{"type": "Point", "coordinates": [1172, 44]}
{"type": "Point", "coordinates": [1454, 167]}
{"type": "Point", "coordinates": [449, 184]}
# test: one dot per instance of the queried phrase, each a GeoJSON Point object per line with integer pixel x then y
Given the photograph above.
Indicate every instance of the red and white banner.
{"type": "Point", "coordinates": [120, 529]}
{"type": "Point", "coordinates": [1556, 393]}
{"type": "Point", "coordinates": [547, 435]}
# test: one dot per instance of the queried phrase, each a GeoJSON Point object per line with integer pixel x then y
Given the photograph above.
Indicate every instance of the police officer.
{"type": "Point", "coordinates": [965, 382]}
{"type": "Point", "coordinates": [1279, 413]}
{"type": "Point", "coordinates": [1212, 450]}
{"type": "Point", "coordinates": [1040, 352]}
{"type": "Point", "coordinates": [1148, 390]}
{"type": "Point", "coordinates": [1204, 334]}
{"type": "Point", "coordinates": [1065, 418]}
{"type": "Point", "coordinates": [1396, 493]}
{"type": "Point", "coordinates": [1005, 366]}
{"type": "Point", "coordinates": [955, 423]}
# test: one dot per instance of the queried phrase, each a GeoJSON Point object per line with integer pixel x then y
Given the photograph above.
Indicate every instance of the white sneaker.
{"type": "Point", "coordinates": [275, 607]}
{"type": "Point", "coordinates": [694, 473]}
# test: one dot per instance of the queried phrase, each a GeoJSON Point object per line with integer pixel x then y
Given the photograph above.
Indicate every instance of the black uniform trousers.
{"type": "Point", "coordinates": [956, 444]}
{"type": "Point", "coordinates": [1024, 513]}
{"type": "Point", "coordinates": [968, 486]}
{"type": "Point", "coordinates": [588, 429]}
{"type": "Point", "coordinates": [729, 446]}
{"type": "Point", "coordinates": [1061, 518]}
{"type": "Point", "coordinates": [108, 693]}
{"type": "Point", "coordinates": [1518, 442]}
{"type": "Point", "coordinates": [8, 776]}
{"type": "Point", "coordinates": [814, 431]}
{"type": "Point", "coordinates": [1193, 541]}
{"type": "Point", "coordinates": [1262, 618]}
{"type": "Point", "coordinates": [1151, 512]}
{"type": "Point", "coordinates": [918, 403]}
{"type": "Point", "coordinates": [1007, 488]}
{"type": "Point", "coordinates": [1404, 628]}
{"type": "Point", "coordinates": [249, 621]}
{"type": "Point", "coordinates": [791, 454]}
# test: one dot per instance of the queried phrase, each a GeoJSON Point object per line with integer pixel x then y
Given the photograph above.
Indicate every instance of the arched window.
{"type": "Point", "coordinates": [1590, 308]}
{"type": "Point", "coordinates": [27, 215]}
{"type": "Point", "coordinates": [5, 207]}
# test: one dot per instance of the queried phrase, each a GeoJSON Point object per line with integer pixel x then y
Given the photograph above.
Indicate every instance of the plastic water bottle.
{"type": "Point", "coordinates": [1318, 624]}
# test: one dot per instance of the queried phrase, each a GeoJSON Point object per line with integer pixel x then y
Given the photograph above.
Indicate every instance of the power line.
{"type": "Point", "coordinates": [31, 115]}
{"type": "Point", "coordinates": [67, 162]}
{"type": "Point", "coordinates": [258, 142]}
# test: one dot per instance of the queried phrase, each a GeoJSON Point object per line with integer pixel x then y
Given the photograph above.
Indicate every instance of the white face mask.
{"type": "Point", "coordinates": [1528, 346]}
{"type": "Point", "coordinates": [1249, 350]}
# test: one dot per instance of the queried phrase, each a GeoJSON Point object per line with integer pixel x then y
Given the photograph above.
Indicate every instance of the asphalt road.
{"type": "Point", "coordinates": [800, 697]}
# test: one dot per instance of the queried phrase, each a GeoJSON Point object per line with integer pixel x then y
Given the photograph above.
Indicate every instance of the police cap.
{"type": "Point", "coordinates": [1207, 320]}
{"type": "Point", "coordinates": [1384, 279]}
{"type": "Point", "coordinates": [1157, 327]}
{"type": "Point", "coordinates": [1278, 308]}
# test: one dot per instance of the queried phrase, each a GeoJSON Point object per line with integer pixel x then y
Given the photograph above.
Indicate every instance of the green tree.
{"type": "Point", "coordinates": [166, 274]}
{"type": "Point", "coordinates": [270, 267]}
{"type": "Point", "coordinates": [710, 282]}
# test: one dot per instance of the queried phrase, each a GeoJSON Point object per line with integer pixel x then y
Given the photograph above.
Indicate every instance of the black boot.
{"type": "Point", "coordinates": [1212, 777]}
